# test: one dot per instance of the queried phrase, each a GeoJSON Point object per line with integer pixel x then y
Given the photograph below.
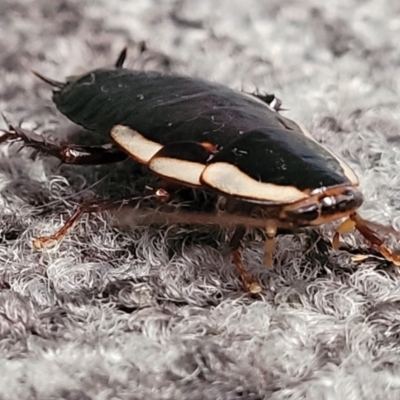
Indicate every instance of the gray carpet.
{"type": "Point", "coordinates": [158, 313]}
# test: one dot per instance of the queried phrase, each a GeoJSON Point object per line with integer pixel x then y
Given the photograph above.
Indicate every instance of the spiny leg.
{"type": "Point", "coordinates": [68, 154]}
{"type": "Point", "coordinates": [160, 195]}
{"type": "Point", "coordinates": [372, 232]}
{"type": "Point", "coordinates": [250, 284]}
{"type": "Point", "coordinates": [86, 208]}
{"type": "Point", "coordinates": [41, 242]}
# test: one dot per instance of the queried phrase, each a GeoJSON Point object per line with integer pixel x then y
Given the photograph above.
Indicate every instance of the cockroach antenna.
{"type": "Point", "coordinates": [59, 85]}
{"type": "Point", "coordinates": [7, 122]}
{"type": "Point", "coordinates": [121, 58]}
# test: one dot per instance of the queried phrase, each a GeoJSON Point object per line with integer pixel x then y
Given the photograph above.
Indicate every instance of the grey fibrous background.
{"type": "Point", "coordinates": [152, 313]}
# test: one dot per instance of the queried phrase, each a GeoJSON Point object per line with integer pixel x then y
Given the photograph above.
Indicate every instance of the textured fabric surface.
{"type": "Point", "coordinates": [158, 313]}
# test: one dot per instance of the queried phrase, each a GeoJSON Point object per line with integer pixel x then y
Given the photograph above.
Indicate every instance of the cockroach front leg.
{"type": "Point", "coordinates": [250, 284]}
{"type": "Point", "coordinates": [68, 154]}
{"type": "Point", "coordinates": [372, 232]}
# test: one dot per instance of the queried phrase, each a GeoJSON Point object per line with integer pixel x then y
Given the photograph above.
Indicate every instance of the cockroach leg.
{"type": "Point", "coordinates": [370, 232]}
{"type": "Point", "coordinates": [365, 228]}
{"type": "Point", "coordinates": [68, 154]}
{"type": "Point", "coordinates": [345, 227]}
{"type": "Point", "coordinates": [162, 195]}
{"type": "Point", "coordinates": [41, 242]}
{"type": "Point", "coordinates": [86, 208]}
{"type": "Point", "coordinates": [270, 230]}
{"type": "Point", "coordinates": [389, 255]}
{"type": "Point", "coordinates": [157, 195]}
{"type": "Point", "coordinates": [250, 284]}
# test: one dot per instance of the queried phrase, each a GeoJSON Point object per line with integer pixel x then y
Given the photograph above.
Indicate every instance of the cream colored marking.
{"type": "Point", "coordinates": [188, 172]}
{"type": "Point", "coordinates": [135, 144]}
{"type": "Point", "coordinates": [230, 180]}
{"type": "Point", "coordinates": [346, 169]}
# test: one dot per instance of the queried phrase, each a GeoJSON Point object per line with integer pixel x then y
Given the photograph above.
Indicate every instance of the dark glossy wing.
{"type": "Point", "coordinates": [273, 164]}
{"type": "Point", "coordinates": [163, 108]}
{"type": "Point", "coordinates": [257, 154]}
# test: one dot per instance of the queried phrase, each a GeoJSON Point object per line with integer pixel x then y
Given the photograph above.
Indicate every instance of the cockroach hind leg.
{"type": "Point", "coordinates": [42, 242]}
{"type": "Point", "coordinates": [249, 283]}
{"type": "Point", "coordinates": [96, 206]}
{"type": "Point", "coordinates": [270, 230]}
{"type": "Point", "coordinates": [87, 207]}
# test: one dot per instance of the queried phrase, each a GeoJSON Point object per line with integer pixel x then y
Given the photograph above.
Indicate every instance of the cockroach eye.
{"type": "Point", "coordinates": [328, 202]}
{"type": "Point", "coordinates": [349, 200]}
{"type": "Point", "coordinates": [346, 201]}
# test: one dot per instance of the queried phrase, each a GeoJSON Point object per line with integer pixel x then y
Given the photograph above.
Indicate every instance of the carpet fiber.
{"type": "Point", "coordinates": [158, 313]}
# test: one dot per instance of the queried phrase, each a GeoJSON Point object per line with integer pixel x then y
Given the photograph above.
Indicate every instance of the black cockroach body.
{"type": "Point", "coordinates": [271, 172]}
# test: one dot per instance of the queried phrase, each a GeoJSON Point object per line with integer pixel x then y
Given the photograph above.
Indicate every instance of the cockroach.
{"type": "Point", "coordinates": [270, 173]}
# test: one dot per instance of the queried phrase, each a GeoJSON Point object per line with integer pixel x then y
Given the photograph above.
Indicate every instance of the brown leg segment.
{"type": "Point", "coordinates": [372, 232]}
{"type": "Point", "coordinates": [68, 154]}
{"type": "Point", "coordinates": [159, 195]}
{"type": "Point", "coordinates": [41, 242]}
{"type": "Point", "coordinates": [345, 227]}
{"type": "Point", "coordinates": [270, 231]}
{"type": "Point", "coordinates": [250, 284]}
{"type": "Point", "coordinates": [45, 241]}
